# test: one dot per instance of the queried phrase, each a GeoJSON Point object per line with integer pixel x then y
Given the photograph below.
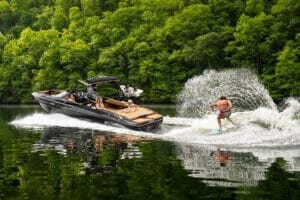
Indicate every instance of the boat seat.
{"type": "Point", "coordinates": [116, 103]}
{"type": "Point", "coordinates": [133, 114]}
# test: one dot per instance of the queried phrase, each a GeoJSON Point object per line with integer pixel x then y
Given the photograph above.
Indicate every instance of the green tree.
{"type": "Point", "coordinates": [287, 18]}
{"type": "Point", "coordinates": [249, 47]}
{"type": "Point", "coordinates": [118, 58]}
{"type": "Point", "coordinates": [91, 7]}
{"type": "Point", "coordinates": [255, 7]}
{"type": "Point", "coordinates": [193, 21]}
{"type": "Point", "coordinates": [43, 20]}
{"type": "Point", "coordinates": [206, 51]}
{"type": "Point", "coordinates": [74, 58]}
{"type": "Point", "coordinates": [227, 12]}
{"type": "Point", "coordinates": [59, 20]}
{"type": "Point", "coordinates": [6, 16]}
{"type": "Point", "coordinates": [277, 184]}
{"type": "Point", "coordinates": [287, 71]}
{"type": "Point", "coordinates": [21, 58]}
{"type": "Point", "coordinates": [286, 23]}
{"type": "Point", "coordinates": [50, 73]}
{"type": "Point", "coordinates": [153, 44]}
{"type": "Point", "coordinates": [3, 41]}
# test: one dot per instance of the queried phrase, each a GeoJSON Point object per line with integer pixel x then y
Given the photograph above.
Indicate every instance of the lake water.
{"type": "Point", "coordinates": [52, 156]}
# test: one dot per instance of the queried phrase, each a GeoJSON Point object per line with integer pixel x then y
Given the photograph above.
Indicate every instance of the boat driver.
{"type": "Point", "coordinates": [91, 91]}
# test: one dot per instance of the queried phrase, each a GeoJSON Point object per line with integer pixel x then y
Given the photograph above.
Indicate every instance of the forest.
{"type": "Point", "coordinates": [155, 45]}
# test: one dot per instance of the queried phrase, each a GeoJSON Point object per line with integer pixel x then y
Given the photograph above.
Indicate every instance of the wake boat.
{"type": "Point", "coordinates": [115, 110]}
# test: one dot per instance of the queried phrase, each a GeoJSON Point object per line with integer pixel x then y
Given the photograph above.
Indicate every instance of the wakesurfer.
{"type": "Point", "coordinates": [224, 107]}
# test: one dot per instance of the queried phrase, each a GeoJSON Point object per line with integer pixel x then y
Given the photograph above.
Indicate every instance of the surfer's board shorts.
{"type": "Point", "coordinates": [224, 114]}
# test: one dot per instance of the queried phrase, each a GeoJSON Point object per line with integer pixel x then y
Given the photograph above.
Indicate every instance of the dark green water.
{"type": "Point", "coordinates": [71, 163]}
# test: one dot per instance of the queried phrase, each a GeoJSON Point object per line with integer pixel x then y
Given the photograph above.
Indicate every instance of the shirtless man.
{"type": "Point", "coordinates": [224, 106]}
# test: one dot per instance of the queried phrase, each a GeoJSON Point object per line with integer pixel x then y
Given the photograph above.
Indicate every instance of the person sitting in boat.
{"type": "Point", "coordinates": [224, 106]}
{"type": "Point", "coordinates": [100, 102]}
{"type": "Point", "coordinates": [91, 91]}
{"type": "Point", "coordinates": [130, 103]}
{"type": "Point", "coordinates": [126, 90]}
{"type": "Point", "coordinates": [71, 98]}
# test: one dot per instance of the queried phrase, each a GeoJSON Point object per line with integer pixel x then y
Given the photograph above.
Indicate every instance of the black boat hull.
{"type": "Point", "coordinates": [63, 106]}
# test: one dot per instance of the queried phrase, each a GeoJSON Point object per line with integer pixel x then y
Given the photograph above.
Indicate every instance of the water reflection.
{"type": "Point", "coordinates": [222, 167]}
{"type": "Point", "coordinates": [222, 157]}
{"type": "Point", "coordinates": [84, 164]}
{"type": "Point", "coordinates": [100, 150]}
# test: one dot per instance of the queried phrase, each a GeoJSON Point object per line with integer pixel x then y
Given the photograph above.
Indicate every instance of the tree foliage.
{"type": "Point", "coordinates": [153, 44]}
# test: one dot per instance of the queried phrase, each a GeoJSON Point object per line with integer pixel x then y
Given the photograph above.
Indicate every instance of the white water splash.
{"type": "Point", "coordinates": [241, 86]}
{"type": "Point", "coordinates": [41, 120]}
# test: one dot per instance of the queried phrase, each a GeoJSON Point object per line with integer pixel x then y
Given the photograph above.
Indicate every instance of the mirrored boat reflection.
{"type": "Point", "coordinates": [226, 168]}
{"type": "Point", "coordinates": [99, 151]}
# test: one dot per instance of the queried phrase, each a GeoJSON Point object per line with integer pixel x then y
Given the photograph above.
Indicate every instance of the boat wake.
{"type": "Point", "coordinates": [263, 127]}
{"type": "Point", "coordinates": [45, 120]}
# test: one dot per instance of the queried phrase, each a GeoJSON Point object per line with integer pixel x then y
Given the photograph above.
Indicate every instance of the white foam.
{"type": "Point", "coordinates": [40, 120]}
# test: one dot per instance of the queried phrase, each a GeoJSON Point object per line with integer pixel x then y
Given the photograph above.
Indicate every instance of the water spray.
{"type": "Point", "coordinates": [241, 86]}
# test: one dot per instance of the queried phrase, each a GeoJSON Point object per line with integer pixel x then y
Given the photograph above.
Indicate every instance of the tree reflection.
{"type": "Point", "coordinates": [279, 183]}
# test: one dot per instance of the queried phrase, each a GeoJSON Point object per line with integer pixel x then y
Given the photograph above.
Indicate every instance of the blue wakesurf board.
{"type": "Point", "coordinates": [215, 131]}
